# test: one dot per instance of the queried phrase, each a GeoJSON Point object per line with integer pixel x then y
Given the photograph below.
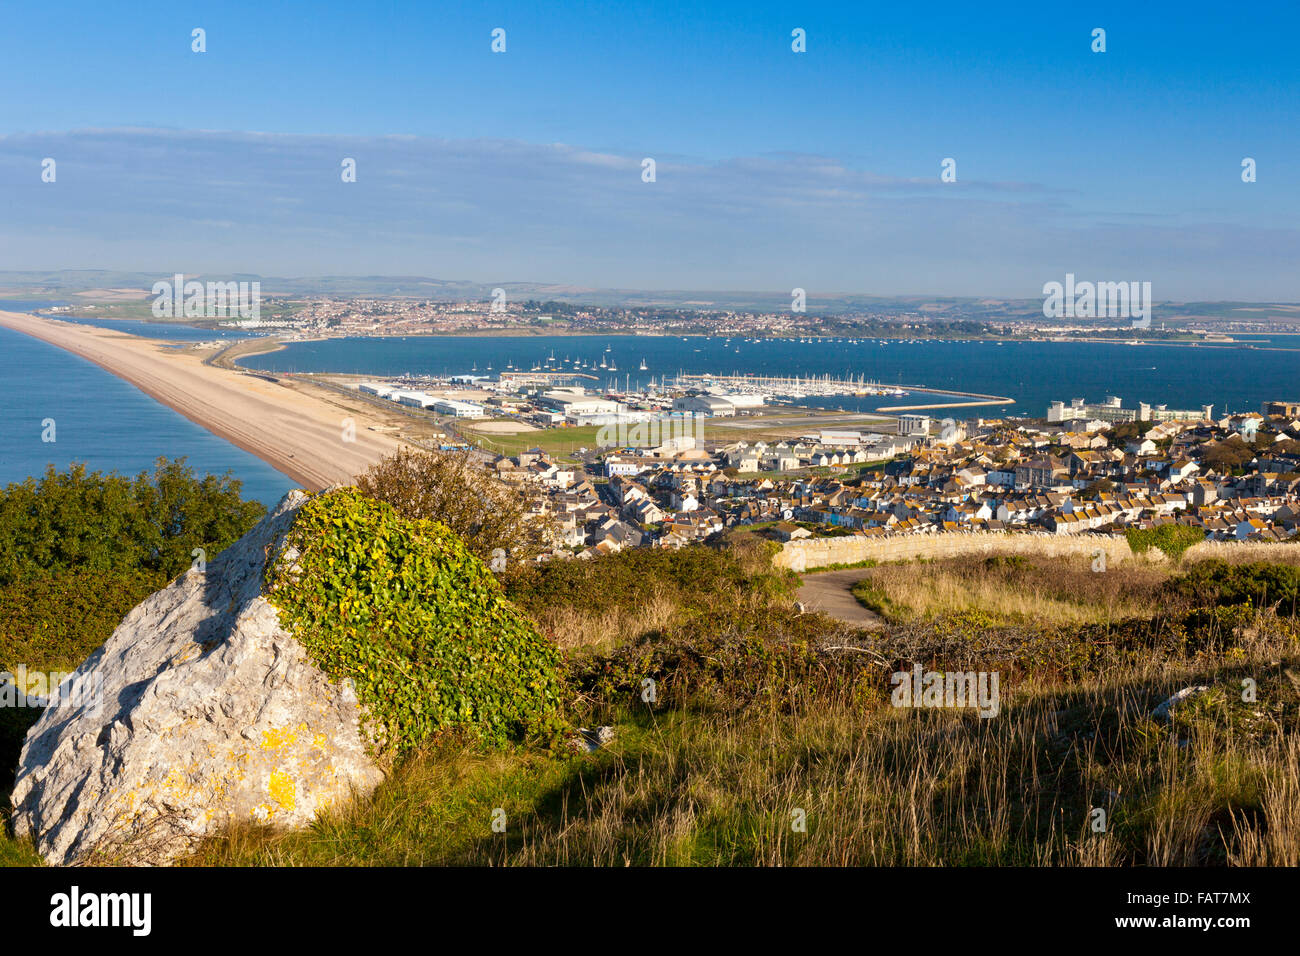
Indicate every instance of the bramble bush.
{"type": "Point", "coordinates": [1216, 583]}
{"type": "Point", "coordinates": [696, 578]}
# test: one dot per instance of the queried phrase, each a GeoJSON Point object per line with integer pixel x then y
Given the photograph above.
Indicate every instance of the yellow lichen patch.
{"type": "Point", "coordinates": [175, 780]}
{"type": "Point", "coordinates": [275, 739]}
{"type": "Point", "coordinates": [281, 788]}
{"type": "Point", "coordinates": [320, 741]}
{"type": "Point", "coordinates": [188, 654]}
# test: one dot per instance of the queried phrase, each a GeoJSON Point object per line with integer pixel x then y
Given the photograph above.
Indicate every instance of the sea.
{"type": "Point", "coordinates": [1032, 374]}
{"type": "Point", "coordinates": [111, 426]}
{"type": "Point", "coordinates": [103, 422]}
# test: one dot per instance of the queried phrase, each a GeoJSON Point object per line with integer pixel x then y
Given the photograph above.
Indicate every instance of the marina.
{"type": "Point", "coordinates": [787, 387]}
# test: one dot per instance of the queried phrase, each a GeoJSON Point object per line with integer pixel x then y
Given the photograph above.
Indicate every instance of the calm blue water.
{"type": "Point", "coordinates": [103, 422]}
{"type": "Point", "coordinates": [152, 330]}
{"type": "Point", "coordinates": [1031, 373]}
{"type": "Point", "coordinates": [163, 330]}
{"type": "Point", "coordinates": [110, 425]}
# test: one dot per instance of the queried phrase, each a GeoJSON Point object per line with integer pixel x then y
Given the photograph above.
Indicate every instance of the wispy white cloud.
{"type": "Point", "coordinates": [505, 210]}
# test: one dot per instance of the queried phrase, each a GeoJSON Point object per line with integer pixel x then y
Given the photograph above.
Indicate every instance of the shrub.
{"type": "Point", "coordinates": [54, 622]}
{"type": "Point", "coordinates": [695, 577]}
{"type": "Point", "coordinates": [96, 522]}
{"type": "Point", "coordinates": [1172, 539]}
{"type": "Point", "coordinates": [1219, 584]}
{"type": "Point", "coordinates": [724, 668]}
{"type": "Point", "coordinates": [453, 487]}
{"type": "Point", "coordinates": [403, 609]}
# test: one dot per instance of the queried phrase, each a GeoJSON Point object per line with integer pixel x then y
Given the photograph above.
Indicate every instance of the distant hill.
{"type": "Point", "coordinates": [73, 282]}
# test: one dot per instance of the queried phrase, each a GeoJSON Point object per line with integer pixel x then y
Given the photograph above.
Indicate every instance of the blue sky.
{"type": "Point", "coordinates": [775, 169]}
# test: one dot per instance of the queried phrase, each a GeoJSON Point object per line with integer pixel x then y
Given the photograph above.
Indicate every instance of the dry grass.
{"type": "Point", "coordinates": [1013, 588]}
{"type": "Point", "coordinates": [703, 780]}
{"type": "Point", "coordinates": [875, 784]}
{"type": "Point", "coordinates": [723, 766]}
{"type": "Point", "coordinates": [606, 629]}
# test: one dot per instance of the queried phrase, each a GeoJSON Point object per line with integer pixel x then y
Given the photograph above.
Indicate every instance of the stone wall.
{"type": "Point", "coordinates": [812, 553]}
{"type": "Point", "coordinates": [1236, 552]}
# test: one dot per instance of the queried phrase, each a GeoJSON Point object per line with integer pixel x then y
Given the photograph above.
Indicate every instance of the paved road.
{"type": "Point", "coordinates": [829, 592]}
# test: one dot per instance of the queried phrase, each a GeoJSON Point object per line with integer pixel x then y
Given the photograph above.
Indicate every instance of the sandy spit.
{"type": "Point", "coordinates": [300, 435]}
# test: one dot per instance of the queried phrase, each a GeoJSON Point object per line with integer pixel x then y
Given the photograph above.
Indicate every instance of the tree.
{"type": "Point", "coordinates": [1227, 456]}
{"type": "Point", "coordinates": [1122, 432]}
{"type": "Point", "coordinates": [1102, 486]}
{"type": "Point", "coordinates": [452, 487]}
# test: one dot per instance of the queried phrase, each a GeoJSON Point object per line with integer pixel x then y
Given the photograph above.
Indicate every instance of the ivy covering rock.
{"type": "Point", "coordinates": [416, 622]}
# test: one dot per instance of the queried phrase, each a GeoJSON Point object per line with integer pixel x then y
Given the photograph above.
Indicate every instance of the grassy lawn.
{"type": "Point", "coordinates": [556, 441]}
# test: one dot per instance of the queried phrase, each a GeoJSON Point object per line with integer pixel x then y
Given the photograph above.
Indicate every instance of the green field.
{"type": "Point", "coordinates": [556, 441]}
{"type": "Point", "coordinates": [567, 440]}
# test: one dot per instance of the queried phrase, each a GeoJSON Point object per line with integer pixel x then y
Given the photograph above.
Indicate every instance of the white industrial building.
{"type": "Point", "coordinates": [711, 405]}
{"type": "Point", "coordinates": [913, 424]}
{"type": "Point", "coordinates": [418, 399]}
{"type": "Point", "coordinates": [738, 399]}
{"type": "Point", "coordinates": [839, 438]}
{"type": "Point", "coordinates": [449, 406]}
{"type": "Point", "coordinates": [576, 403]}
{"type": "Point", "coordinates": [413, 398]}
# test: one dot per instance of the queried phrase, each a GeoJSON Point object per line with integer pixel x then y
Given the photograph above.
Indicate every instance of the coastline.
{"type": "Point", "coordinates": [298, 434]}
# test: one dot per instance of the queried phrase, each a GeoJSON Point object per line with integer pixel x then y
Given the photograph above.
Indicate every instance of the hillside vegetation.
{"type": "Point", "coordinates": [419, 625]}
{"type": "Point", "coordinates": [764, 719]}
{"type": "Point", "coordinates": [748, 733]}
{"type": "Point", "coordinates": [78, 550]}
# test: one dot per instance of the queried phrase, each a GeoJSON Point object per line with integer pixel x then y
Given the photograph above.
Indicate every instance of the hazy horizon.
{"type": "Point", "coordinates": [774, 169]}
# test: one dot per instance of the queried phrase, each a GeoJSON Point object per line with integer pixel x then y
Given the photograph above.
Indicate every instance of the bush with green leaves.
{"type": "Point", "coordinates": [419, 625]}
{"type": "Point", "coordinates": [1172, 539]}
{"type": "Point", "coordinates": [54, 622]}
{"type": "Point", "coordinates": [79, 550]}
{"type": "Point", "coordinates": [90, 521]}
{"type": "Point", "coordinates": [697, 578]}
{"type": "Point", "coordinates": [1215, 583]}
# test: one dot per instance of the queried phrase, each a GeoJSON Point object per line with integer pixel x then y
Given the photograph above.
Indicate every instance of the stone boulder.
{"type": "Point", "coordinates": [1167, 708]}
{"type": "Point", "coordinates": [205, 711]}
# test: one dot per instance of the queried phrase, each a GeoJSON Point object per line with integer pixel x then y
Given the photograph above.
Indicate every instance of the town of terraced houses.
{"type": "Point", "coordinates": [1083, 468]}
